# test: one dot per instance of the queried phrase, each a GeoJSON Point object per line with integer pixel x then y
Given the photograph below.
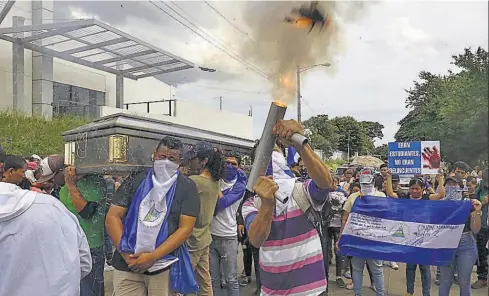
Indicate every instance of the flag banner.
{"type": "Point", "coordinates": [292, 156]}
{"type": "Point", "coordinates": [405, 230]}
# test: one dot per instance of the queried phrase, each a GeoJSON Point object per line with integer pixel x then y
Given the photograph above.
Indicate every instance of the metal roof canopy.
{"type": "Point", "coordinates": [97, 45]}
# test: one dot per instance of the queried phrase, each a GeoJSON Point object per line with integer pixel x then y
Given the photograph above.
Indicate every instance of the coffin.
{"type": "Point", "coordinates": [124, 143]}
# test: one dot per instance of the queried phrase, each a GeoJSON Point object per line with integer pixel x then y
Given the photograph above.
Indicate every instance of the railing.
{"type": "Point", "coordinates": [170, 103]}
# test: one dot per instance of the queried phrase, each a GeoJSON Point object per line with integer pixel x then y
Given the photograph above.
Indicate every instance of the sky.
{"type": "Point", "coordinates": [384, 47]}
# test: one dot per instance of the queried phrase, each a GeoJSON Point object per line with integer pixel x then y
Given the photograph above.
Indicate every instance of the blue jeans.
{"type": "Point", "coordinates": [377, 274]}
{"type": "Point", "coordinates": [425, 278]}
{"type": "Point", "coordinates": [224, 252]}
{"type": "Point", "coordinates": [93, 283]}
{"type": "Point", "coordinates": [465, 257]}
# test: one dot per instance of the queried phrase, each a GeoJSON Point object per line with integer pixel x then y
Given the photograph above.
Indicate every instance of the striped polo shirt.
{"type": "Point", "coordinates": [291, 259]}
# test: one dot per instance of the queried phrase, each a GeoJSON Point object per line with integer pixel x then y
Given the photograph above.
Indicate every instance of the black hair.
{"type": "Point", "coordinates": [13, 162]}
{"type": "Point", "coordinates": [215, 163]}
{"type": "Point", "coordinates": [417, 180]}
{"type": "Point", "coordinates": [235, 154]}
{"type": "Point", "coordinates": [355, 184]}
{"type": "Point", "coordinates": [171, 143]}
{"type": "Point", "coordinates": [294, 164]}
{"type": "Point", "coordinates": [462, 165]}
{"type": "Point", "coordinates": [471, 179]}
{"type": "Point", "coordinates": [299, 160]}
{"type": "Point", "coordinates": [383, 166]}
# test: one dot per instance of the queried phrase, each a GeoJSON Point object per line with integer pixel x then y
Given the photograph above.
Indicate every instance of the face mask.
{"type": "Point", "coordinates": [164, 169]}
{"type": "Point", "coordinates": [303, 171]}
{"type": "Point", "coordinates": [367, 189]}
{"type": "Point", "coordinates": [230, 173]}
{"type": "Point", "coordinates": [453, 193]}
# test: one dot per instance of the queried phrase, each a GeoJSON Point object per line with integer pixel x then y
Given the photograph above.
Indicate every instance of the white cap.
{"type": "Point", "coordinates": [35, 156]}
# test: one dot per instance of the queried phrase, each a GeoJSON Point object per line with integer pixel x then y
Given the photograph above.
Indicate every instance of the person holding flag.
{"type": "Point", "coordinates": [151, 216]}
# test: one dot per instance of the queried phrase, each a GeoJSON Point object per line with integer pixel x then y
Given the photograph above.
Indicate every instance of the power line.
{"type": "Point", "coordinates": [259, 72]}
{"type": "Point", "coordinates": [215, 38]}
{"type": "Point", "coordinates": [236, 27]}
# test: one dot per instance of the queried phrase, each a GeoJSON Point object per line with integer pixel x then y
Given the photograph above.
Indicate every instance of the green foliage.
{"type": "Point", "coordinates": [381, 151]}
{"type": "Point", "coordinates": [451, 108]}
{"type": "Point", "coordinates": [324, 135]}
{"type": "Point", "coordinates": [335, 134]}
{"type": "Point", "coordinates": [334, 163]}
{"type": "Point", "coordinates": [26, 135]}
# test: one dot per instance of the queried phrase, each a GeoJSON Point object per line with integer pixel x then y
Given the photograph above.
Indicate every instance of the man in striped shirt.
{"type": "Point", "coordinates": [291, 257]}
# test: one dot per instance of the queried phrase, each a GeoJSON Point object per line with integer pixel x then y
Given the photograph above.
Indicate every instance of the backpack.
{"type": "Point", "coordinates": [320, 220]}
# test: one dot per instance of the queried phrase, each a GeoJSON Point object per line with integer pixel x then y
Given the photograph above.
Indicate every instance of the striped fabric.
{"type": "Point", "coordinates": [291, 259]}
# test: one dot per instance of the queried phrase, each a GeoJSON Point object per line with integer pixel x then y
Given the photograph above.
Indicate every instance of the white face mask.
{"type": "Point", "coordinates": [164, 169]}
{"type": "Point", "coordinates": [367, 189]}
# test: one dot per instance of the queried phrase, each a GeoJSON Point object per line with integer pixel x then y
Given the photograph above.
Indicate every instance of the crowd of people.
{"type": "Point", "coordinates": [175, 228]}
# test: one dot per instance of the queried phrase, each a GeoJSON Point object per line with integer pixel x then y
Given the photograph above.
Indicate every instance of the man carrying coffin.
{"type": "Point", "coordinates": [151, 216]}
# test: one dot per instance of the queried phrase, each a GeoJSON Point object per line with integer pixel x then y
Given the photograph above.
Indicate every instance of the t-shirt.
{"type": "Point", "coordinates": [338, 199]}
{"type": "Point", "coordinates": [291, 258]}
{"type": "Point", "coordinates": [92, 218]}
{"type": "Point", "coordinates": [185, 202]}
{"type": "Point", "coordinates": [424, 196]}
{"type": "Point", "coordinates": [353, 197]}
{"type": "Point", "coordinates": [201, 235]}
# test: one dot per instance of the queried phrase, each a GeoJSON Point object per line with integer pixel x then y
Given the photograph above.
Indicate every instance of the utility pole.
{"type": "Point", "coordinates": [298, 89]}
{"type": "Point", "coordinates": [348, 149]}
{"type": "Point", "coordinates": [220, 103]}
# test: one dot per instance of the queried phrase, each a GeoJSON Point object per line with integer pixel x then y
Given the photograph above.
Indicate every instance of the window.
{"type": "Point", "coordinates": [69, 99]}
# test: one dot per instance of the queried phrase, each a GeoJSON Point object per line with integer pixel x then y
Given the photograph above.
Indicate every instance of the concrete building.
{"type": "Point", "coordinates": [88, 68]}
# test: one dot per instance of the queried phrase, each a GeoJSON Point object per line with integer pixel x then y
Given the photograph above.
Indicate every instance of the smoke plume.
{"type": "Point", "coordinates": [279, 47]}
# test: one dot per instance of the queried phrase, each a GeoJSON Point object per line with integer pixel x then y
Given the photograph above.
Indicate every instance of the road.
{"type": "Point", "coordinates": [395, 284]}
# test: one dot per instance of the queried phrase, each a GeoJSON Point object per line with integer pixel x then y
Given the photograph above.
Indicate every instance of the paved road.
{"type": "Point", "coordinates": [395, 284]}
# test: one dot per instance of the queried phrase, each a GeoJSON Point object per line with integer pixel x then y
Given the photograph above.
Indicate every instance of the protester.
{"type": "Point", "coordinates": [338, 198]}
{"type": "Point", "coordinates": [206, 167]}
{"type": "Point", "coordinates": [466, 253]}
{"type": "Point", "coordinates": [151, 216]}
{"type": "Point", "coordinates": [482, 238]}
{"type": "Point", "coordinates": [379, 180]}
{"type": "Point", "coordinates": [224, 246]}
{"type": "Point", "coordinates": [52, 176]}
{"type": "Point", "coordinates": [417, 190]}
{"type": "Point", "coordinates": [291, 256]}
{"type": "Point", "coordinates": [367, 188]}
{"type": "Point", "coordinates": [84, 196]}
{"type": "Point", "coordinates": [45, 251]}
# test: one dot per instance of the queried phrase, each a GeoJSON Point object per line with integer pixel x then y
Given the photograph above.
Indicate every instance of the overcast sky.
{"type": "Point", "coordinates": [386, 48]}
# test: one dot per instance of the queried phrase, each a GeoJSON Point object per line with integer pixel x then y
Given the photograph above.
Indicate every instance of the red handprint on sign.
{"type": "Point", "coordinates": [432, 156]}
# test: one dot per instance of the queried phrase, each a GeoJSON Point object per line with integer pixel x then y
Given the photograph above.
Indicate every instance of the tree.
{"type": "Point", "coordinates": [373, 129]}
{"type": "Point", "coordinates": [452, 108]}
{"type": "Point", "coordinates": [381, 151]}
{"type": "Point", "coordinates": [324, 135]}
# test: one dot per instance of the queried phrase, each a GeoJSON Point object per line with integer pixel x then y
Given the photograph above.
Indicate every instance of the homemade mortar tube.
{"type": "Point", "coordinates": [263, 153]}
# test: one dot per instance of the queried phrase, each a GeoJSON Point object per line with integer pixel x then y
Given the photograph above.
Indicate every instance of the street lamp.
{"type": "Point", "coordinates": [299, 71]}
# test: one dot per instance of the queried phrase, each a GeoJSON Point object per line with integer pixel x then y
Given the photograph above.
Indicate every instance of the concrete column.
{"type": "Point", "coordinates": [17, 66]}
{"type": "Point", "coordinates": [119, 88]}
{"type": "Point", "coordinates": [42, 66]}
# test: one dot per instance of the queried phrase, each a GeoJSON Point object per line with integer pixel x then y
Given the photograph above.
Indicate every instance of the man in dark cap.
{"type": "Point", "coordinates": [84, 196]}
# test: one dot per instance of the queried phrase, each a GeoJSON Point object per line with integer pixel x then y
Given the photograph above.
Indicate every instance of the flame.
{"type": "Point", "coordinates": [303, 22]}
{"type": "Point", "coordinates": [280, 104]}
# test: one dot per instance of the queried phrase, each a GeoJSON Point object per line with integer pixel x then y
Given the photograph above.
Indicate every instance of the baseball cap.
{"type": "Point", "coordinates": [366, 177]}
{"type": "Point", "coordinates": [201, 150]}
{"type": "Point", "coordinates": [35, 156]}
{"type": "Point", "coordinates": [50, 166]}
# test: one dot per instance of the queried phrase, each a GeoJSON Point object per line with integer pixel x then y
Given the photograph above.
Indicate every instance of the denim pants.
{"type": "Point", "coordinates": [333, 233]}
{"type": "Point", "coordinates": [482, 237]}
{"type": "Point", "coordinates": [465, 257]}
{"type": "Point", "coordinates": [224, 252]}
{"type": "Point", "coordinates": [425, 278]}
{"type": "Point", "coordinates": [377, 273]}
{"type": "Point", "coordinates": [93, 283]}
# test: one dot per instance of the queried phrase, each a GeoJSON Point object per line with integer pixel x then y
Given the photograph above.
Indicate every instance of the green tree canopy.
{"type": "Point", "coordinates": [324, 135]}
{"type": "Point", "coordinates": [451, 108]}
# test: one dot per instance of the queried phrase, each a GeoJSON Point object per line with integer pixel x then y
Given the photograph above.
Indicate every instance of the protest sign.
{"type": "Point", "coordinates": [411, 158]}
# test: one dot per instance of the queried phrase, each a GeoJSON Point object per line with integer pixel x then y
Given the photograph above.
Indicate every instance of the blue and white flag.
{"type": "Point", "coordinates": [292, 156]}
{"type": "Point", "coordinates": [404, 230]}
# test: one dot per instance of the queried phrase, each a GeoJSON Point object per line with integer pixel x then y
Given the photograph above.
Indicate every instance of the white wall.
{"type": "Point", "coordinates": [228, 123]}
